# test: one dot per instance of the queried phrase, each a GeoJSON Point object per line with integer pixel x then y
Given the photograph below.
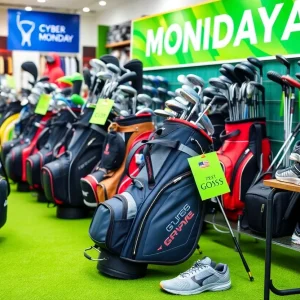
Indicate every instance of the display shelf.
{"type": "Point", "coordinates": [218, 220]}
{"type": "Point", "coordinates": [119, 44]}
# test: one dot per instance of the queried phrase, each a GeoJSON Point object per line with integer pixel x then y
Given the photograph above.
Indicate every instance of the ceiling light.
{"type": "Point", "coordinates": [41, 1]}
{"type": "Point", "coordinates": [86, 9]}
{"type": "Point", "coordinates": [28, 8]}
{"type": "Point", "coordinates": [102, 3]}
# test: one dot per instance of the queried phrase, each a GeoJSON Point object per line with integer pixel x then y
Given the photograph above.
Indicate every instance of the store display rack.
{"type": "Point", "coordinates": [218, 220]}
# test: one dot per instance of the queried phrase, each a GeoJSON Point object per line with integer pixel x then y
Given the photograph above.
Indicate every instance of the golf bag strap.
{"type": "Point", "coordinates": [116, 127]}
{"type": "Point", "coordinates": [42, 134]}
{"type": "Point", "coordinates": [131, 154]}
{"type": "Point", "coordinates": [64, 141]}
{"type": "Point", "coordinates": [176, 145]}
{"type": "Point", "coordinates": [224, 137]}
{"type": "Point", "coordinates": [258, 137]}
{"type": "Point", "coordinates": [98, 129]}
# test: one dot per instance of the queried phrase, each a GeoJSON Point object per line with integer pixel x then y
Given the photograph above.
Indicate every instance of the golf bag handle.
{"type": "Point", "coordinates": [147, 157]}
{"type": "Point", "coordinates": [224, 137]}
{"type": "Point", "coordinates": [91, 258]}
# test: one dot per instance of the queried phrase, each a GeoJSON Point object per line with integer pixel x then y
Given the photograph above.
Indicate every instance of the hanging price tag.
{"type": "Point", "coordinates": [209, 176]}
{"type": "Point", "coordinates": [102, 111]}
{"type": "Point", "coordinates": [43, 104]}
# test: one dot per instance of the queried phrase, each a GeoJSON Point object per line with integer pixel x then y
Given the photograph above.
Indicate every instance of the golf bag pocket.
{"type": "Point", "coordinates": [285, 211]}
{"type": "Point", "coordinates": [243, 156]}
{"type": "Point", "coordinates": [112, 222]}
{"type": "Point", "coordinates": [169, 229]}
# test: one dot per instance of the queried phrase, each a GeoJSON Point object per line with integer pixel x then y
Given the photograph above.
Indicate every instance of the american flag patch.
{"type": "Point", "coordinates": [204, 164]}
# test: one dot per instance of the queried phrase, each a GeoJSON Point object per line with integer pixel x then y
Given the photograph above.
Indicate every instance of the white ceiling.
{"type": "Point", "coordinates": [61, 5]}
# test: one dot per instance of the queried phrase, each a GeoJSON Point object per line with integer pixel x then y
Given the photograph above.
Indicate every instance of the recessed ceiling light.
{"type": "Point", "coordinates": [102, 3]}
{"type": "Point", "coordinates": [28, 8]}
{"type": "Point", "coordinates": [41, 1]}
{"type": "Point", "coordinates": [86, 9]}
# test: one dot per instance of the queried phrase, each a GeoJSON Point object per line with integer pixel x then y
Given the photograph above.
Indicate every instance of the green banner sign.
{"type": "Point", "coordinates": [213, 32]}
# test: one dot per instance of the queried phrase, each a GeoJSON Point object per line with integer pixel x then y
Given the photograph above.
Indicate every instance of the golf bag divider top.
{"type": "Point", "coordinates": [108, 175]}
{"type": "Point", "coordinates": [158, 219]}
{"type": "Point", "coordinates": [244, 155]}
{"type": "Point", "coordinates": [61, 177]}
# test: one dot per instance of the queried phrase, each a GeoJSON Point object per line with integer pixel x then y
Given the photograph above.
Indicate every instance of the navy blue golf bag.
{"type": "Point", "coordinates": [61, 177]}
{"type": "Point", "coordinates": [54, 137]}
{"type": "Point", "coordinates": [158, 219]}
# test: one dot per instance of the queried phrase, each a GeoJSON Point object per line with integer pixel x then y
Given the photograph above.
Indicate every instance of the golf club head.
{"type": "Point", "coordinates": [218, 100]}
{"type": "Point", "coordinates": [189, 94]}
{"type": "Point", "coordinates": [104, 76]}
{"type": "Point", "coordinates": [144, 99]}
{"type": "Point", "coordinates": [151, 90]}
{"type": "Point", "coordinates": [195, 80]}
{"type": "Point", "coordinates": [259, 86]}
{"type": "Point", "coordinates": [275, 77]}
{"type": "Point", "coordinates": [146, 110]}
{"type": "Point", "coordinates": [124, 113]}
{"type": "Point", "coordinates": [165, 113]}
{"type": "Point", "coordinates": [218, 83]}
{"type": "Point", "coordinates": [171, 94]}
{"type": "Point", "coordinates": [211, 92]}
{"type": "Point", "coordinates": [97, 64]}
{"type": "Point", "coordinates": [228, 71]}
{"type": "Point", "coordinates": [284, 61]}
{"type": "Point", "coordinates": [291, 81]}
{"type": "Point", "coordinates": [257, 63]}
{"type": "Point", "coordinates": [157, 100]}
{"type": "Point", "coordinates": [249, 65]}
{"type": "Point", "coordinates": [225, 79]}
{"type": "Point", "coordinates": [176, 106]}
{"type": "Point", "coordinates": [127, 90]}
{"type": "Point", "coordinates": [162, 80]}
{"type": "Point", "coordinates": [113, 68]}
{"type": "Point", "coordinates": [182, 100]}
{"type": "Point", "coordinates": [250, 90]}
{"type": "Point", "coordinates": [183, 80]}
{"type": "Point", "coordinates": [244, 73]}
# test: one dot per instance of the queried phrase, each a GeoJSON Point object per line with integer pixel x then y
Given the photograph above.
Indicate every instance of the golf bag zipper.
{"type": "Point", "coordinates": [236, 167]}
{"type": "Point", "coordinates": [174, 181]}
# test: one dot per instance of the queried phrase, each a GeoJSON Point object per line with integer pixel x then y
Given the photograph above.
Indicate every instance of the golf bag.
{"type": "Point", "coordinates": [244, 155]}
{"type": "Point", "coordinates": [4, 192]}
{"type": "Point", "coordinates": [55, 136]}
{"type": "Point", "coordinates": [286, 208]}
{"type": "Point", "coordinates": [218, 121]}
{"type": "Point", "coordinates": [61, 177]}
{"type": "Point", "coordinates": [158, 219]}
{"type": "Point", "coordinates": [108, 176]}
{"type": "Point", "coordinates": [15, 161]}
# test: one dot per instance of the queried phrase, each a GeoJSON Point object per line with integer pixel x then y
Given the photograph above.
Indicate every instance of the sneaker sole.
{"type": "Point", "coordinates": [295, 239]}
{"type": "Point", "coordinates": [210, 288]}
{"type": "Point", "coordinates": [295, 157]}
{"type": "Point", "coordinates": [289, 179]}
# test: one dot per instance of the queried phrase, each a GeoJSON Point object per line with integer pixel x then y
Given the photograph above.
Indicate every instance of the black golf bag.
{"type": "Point", "coordinates": [61, 177]}
{"type": "Point", "coordinates": [218, 121]}
{"type": "Point", "coordinates": [4, 192]}
{"type": "Point", "coordinates": [55, 136]}
{"type": "Point", "coordinates": [15, 160]}
{"type": "Point", "coordinates": [158, 219]}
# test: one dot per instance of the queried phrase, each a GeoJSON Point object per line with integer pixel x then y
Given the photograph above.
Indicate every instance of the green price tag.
{"type": "Point", "coordinates": [43, 104]}
{"type": "Point", "coordinates": [102, 111]}
{"type": "Point", "coordinates": [209, 176]}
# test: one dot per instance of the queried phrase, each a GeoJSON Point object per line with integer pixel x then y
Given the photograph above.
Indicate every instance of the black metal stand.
{"type": "Point", "coordinates": [268, 260]}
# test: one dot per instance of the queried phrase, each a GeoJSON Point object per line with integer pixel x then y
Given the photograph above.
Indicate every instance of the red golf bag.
{"type": "Point", "coordinates": [245, 153]}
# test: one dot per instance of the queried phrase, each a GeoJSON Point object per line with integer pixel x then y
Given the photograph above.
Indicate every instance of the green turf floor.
{"type": "Point", "coordinates": [41, 258]}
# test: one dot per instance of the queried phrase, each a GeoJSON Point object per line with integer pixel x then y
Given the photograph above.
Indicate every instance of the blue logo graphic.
{"type": "Point", "coordinates": [43, 31]}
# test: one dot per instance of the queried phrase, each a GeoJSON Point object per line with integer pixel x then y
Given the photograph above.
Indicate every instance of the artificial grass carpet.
{"type": "Point", "coordinates": [41, 258]}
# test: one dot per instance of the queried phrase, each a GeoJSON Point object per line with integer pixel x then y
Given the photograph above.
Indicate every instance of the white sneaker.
{"type": "Point", "coordinates": [202, 276]}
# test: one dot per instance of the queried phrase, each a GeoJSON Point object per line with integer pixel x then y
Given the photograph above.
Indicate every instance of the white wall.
{"type": "Point", "coordinates": [3, 22]}
{"type": "Point", "coordinates": [129, 10]}
{"type": "Point", "coordinates": [88, 30]}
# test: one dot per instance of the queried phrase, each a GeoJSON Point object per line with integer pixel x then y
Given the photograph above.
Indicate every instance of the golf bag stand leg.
{"type": "Point", "coordinates": [236, 242]}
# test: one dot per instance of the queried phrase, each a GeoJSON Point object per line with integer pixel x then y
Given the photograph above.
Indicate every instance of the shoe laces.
{"type": "Point", "coordinates": [195, 268]}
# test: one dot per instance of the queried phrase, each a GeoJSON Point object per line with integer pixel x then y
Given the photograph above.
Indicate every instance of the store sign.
{"type": "Point", "coordinates": [213, 32]}
{"type": "Point", "coordinates": [43, 31]}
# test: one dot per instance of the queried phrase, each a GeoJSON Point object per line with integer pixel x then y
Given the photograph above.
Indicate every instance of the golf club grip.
{"type": "Point", "coordinates": [243, 258]}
